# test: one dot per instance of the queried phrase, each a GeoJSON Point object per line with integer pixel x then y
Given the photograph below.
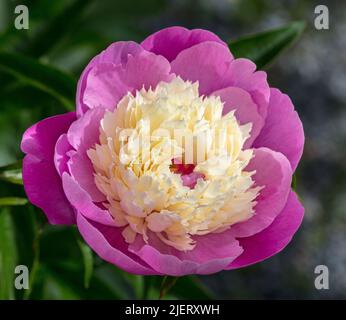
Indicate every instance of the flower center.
{"type": "Point", "coordinates": [188, 176]}
{"type": "Point", "coordinates": [204, 189]}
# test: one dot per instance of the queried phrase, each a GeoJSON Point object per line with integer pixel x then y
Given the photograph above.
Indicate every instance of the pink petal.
{"type": "Point", "coordinates": [242, 74]}
{"type": "Point", "coordinates": [190, 180]}
{"type": "Point", "coordinates": [213, 66]}
{"type": "Point", "coordinates": [83, 134]}
{"type": "Point", "coordinates": [42, 182]}
{"type": "Point", "coordinates": [61, 157]}
{"type": "Point", "coordinates": [206, 63]}
{"type": "Point", "coordinates": [212, 254]}
{"type": "Point", "coordinates": [274, 238]}
{"type": "Point", "coordinates": [169, 42]}
{"type": "Point", "coordinates": [117, 53]}
{"type": "Point", "coordinates": [83, 202]}
{"type": "Point", "coordinates": [274, 173]}
{"type": "Point", "coordinates": [107, 83]}
{"type": "Point", "coordinates": [37, 142]}
{"type": "Point", "coordinates": [104, 87]}
{"type": "Point", "coordinates": [283, 130]}
{"type": "Point", "coordinates": [109, 244]}
{"type": "Point", "coordinates": [146, 70]}
{"type": "Point", "coordinates": [245, 109]}
{"type": "Point", "coordinates": [82, 170]}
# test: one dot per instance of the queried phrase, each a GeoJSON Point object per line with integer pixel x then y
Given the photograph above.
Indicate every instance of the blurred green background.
{"type": "Point", "coordinates": [65, 34]}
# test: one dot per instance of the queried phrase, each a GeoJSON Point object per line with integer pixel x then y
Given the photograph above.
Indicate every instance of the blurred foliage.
{"type": "Point", "coordinates": [39, 68]}
{"type": "Point", "coordinates": [12, 173]}
{"type": "Point", "coordinates": [264, 47]}
{"type": "Point", "coordinates": [29, 72]}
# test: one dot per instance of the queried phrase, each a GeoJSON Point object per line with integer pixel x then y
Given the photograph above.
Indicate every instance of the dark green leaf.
{"type": "Point", "coordinates": [28, 232]}
{"type": "Point", "coordinates": [147, 284]}
{"type": "Point", "coordinates": [56, 28]}
{"type": "Point", "coordinates": [166, 285]}
{"type": "Point", "coordinates": [55, 286]}
{"type": "Point", "coordinates": [11, 37]}
{"type": "Point", "coordinates": [191, 287]}
{"type": "Point", "coordinates": [263, 47]}
{"type": "Point", "coordinates": [88, 262]}
{"type": "Point", "coordinates": [113, 280]}
{"type": "Point", "coordinates": [62, 273]}
{"type": "Point", "coordinates": [137, 284]}
{"type": "Point", "coordinates": [13, 201]}
{"type": "Point", "coordinates": [8, 255]}
{"type": "Point", "coordinates": [12, 173]}
{"type": "Point", "coordinates": [294, 182]}
{"type": "Point", "coordinates": [46, 78]}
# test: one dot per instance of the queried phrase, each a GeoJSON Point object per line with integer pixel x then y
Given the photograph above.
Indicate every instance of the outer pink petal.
{"type": "Point", "coordinates": [213, 66]}
{"type": "Point", "coordinates": [274, 238]}
{"type": "Point", "coordinates": [104, 86]}
{"type": "Point", "coordinates": [109, 244]}
{"type": "Point", "coordinates": [171, 41]}
{"type": "Point", "coordinates": [83, 135]}
{"type": "Point", "coordinates": [117, 53]}
{"type": "Point", "coordinates": [146, 70]}
{"type": "Point", "coordinates": [212, 253]}
{"type": "Point", "coordinates": [245, 109]}
{"type": "Point", "coordinates": [42, 182]}
{"type": "Point", "coordinates": [107, 83]}
{"type": "Point", "coordinates": [274, 173]}
{"type": "Point", "coordinates": [283, 130]}
{"type": "Point", "coordinates": [242, 73]}
{"type": "Point", "coordinates": [206, 63]}
{"type": "Point", "coordinates": [83, 203]}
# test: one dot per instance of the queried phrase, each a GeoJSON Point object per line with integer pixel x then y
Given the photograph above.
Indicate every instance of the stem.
{"type": "Point", "coordinates": [166, 285]}
{"type": "Point", "coordinates": [147, 282]}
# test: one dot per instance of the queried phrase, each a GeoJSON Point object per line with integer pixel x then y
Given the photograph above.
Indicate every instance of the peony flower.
{"type": "Point", "coordinates": [178, 159]}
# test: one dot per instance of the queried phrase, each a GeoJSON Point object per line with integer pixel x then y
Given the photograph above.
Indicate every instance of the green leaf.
{"type": "Point", "coordinates": [147, 284]}
{"type": "Point", "coordinates": [8, 255]}
{"type": "Point", "coordinates": [294, 182]}
{"type": "Point", "coordinates": [113, 280]}
{"type": "Point", "coordinates": [167, 284]}
{"type": "Point", "coordinates": [137, 284]}
{"type": "Point", "coordinates": [56, 28]}
{"type": "Point", "coordinates": [88, 262]}
{"type": "Point", "coordinates": [13, 201]}
{"type": "Point", "coordinates": [191, 287]}
{"type": "Point", "coordinates": [12, 173]}
{"type": "Point", "coordinates": [187, 287]}
{"type": "Point", "coordinates": [55, 286]}
{"type": "Point", "coordinates": [264, 47]}
{"type": "Point", "coordinates": [60, 85]}
{"type": "Point", "coordinates": [64, 277]}
{"type": "Point", "coordinates": [29, 225]}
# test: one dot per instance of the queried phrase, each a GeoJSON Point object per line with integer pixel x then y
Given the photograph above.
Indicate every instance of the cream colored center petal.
{"type": "Point", "coordinates": [133, 159]}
